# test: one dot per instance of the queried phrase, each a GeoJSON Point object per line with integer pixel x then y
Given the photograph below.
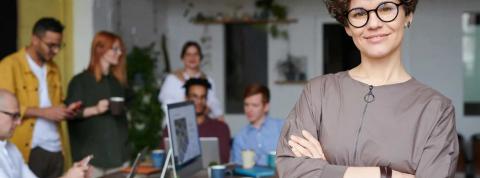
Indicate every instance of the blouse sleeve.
{"type": "Point", "coordinates": [74, 94]}
{"type": "Point", "coordinates": [305, 115]}
{"type": "Point", "coordinates": [440, 153]}
{"type": "Point", "coordinates": [167, 94]}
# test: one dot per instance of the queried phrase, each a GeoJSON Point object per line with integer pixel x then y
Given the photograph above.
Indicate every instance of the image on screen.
{"type": "Point", "coordinates": [184, 132]}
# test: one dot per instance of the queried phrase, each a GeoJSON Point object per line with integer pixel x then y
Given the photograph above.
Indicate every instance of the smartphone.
{"type": "Point", "coordinates": [75, 106]}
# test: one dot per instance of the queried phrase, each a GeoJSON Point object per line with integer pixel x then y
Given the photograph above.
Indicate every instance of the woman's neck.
{"type": "Point", "coordinates": [381, 71]}
{"type": "Point", "coordinates": [105, 67]}
{"type": "Point", "coordinates": [191, 72]}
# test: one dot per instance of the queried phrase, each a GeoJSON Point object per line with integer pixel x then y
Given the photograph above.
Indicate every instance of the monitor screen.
{"type": "Point", "coordinates": [183, 129]}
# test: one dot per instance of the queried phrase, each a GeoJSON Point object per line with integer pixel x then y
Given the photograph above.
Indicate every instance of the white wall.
{"type": "Point", "coordinates": [82, 33]}
{"type": "Point", "coordinates": [435, 44]}
{"type": "Point", "coordinates": [304, 41]}
{"type": "Point", "coordinates": [432, 47]}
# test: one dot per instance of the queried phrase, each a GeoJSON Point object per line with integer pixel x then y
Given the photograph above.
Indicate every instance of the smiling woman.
{"type": "Point", "coordinates": [374, 120]}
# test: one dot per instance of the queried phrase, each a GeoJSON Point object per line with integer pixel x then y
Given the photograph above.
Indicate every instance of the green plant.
{"type": "Point", "coordinates": [145, 114]}
{"type": "Point", "coordinates": [278, 11]}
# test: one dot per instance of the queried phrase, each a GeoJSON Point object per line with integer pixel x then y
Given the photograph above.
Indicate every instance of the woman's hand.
{"type": "Point", "coordinates": [307, 146]}
{"type": "Point", "coordinates": [102, 106]}
{"type": "Point", "coordinates": [396, 174]}
{"type": "Point", "coordinates": [77, 171]}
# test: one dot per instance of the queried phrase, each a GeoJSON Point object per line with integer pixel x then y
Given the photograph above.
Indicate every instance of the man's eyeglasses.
{"type": "Point", "coordinates": [53, 46]}
{"type": "Point", "coordinates": [15, 116]}
{"type": "Point", "coordinates": [386, 12]}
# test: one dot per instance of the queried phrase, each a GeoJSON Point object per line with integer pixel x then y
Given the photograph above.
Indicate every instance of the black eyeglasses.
{"type": "Point", "coordinates": [14, 116]}
{"type": "Point", "coordinates": [386, 12]}
{"type": "Point", "coordinates": [53, 46]}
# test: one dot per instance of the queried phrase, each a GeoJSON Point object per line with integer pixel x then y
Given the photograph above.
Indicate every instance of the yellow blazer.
{"type": "Point", "coordinates": [17, 77]}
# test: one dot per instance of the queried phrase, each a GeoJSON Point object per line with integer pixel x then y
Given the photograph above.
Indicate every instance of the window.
{"type": "Point", "coordinates": [471, 60]}
{"type": "Point", "coordinates": [246, 55]}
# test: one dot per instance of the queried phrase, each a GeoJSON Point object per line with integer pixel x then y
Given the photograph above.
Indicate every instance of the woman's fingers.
{"type": "Point", "coordinates": [308, 145]}
{"type": "Point", "coordinates": [301, 145]}
{"type": "Point", "coordinates": [315, 143]}
{"type": "Point", "coordinates": [296, 152]}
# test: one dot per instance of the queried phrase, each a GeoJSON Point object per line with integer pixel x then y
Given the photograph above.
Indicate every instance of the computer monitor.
{"type": "Point", "coordinates": [185, 142]}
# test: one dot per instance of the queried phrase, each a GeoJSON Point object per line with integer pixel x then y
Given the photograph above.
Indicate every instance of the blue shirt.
{"type": "Point", "coordinates": [262, 140]}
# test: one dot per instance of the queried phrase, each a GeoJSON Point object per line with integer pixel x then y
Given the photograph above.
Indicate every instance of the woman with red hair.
{"type": "Point", "coordinates": [97, 130]}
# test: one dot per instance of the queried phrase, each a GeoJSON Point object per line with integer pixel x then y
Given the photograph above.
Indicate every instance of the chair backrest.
{"type": "Point", "coordinates": [476, 153]}
{"type": "Point", "coordinates": [462, 157]}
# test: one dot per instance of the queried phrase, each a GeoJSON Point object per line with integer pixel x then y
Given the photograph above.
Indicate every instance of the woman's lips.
{"type": "Point", "coordinates": [376, 38]}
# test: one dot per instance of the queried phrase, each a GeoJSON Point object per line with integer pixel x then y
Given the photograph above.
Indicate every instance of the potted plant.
{"type": "Point", "coordinates": [145, 112]}
{"type": "Point", "coordinates": [292, 68]}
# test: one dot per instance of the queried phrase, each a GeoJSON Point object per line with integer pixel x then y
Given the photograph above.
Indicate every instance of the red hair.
{"type": "Point", "coordinates": [256, 88]}
{"type": "Point", "coordinates": [102, 42]}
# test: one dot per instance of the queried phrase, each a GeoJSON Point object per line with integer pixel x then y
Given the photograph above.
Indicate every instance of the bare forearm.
{"type": "Point", "coordinates": [361, 172]}
{"type": "Point", "coordinates": [90, 111]}
{"type": "Point", "coordinates": [54, 113]}
{"type": "Point", "coordinates": [33, 112]}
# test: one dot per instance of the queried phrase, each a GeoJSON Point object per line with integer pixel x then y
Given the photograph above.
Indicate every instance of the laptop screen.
{"type": "Point", "coordinates": [183, 129]}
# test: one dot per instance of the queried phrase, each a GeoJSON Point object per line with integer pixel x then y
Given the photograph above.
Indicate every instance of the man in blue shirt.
{"type": "Point", "coordinates": [262, 133]}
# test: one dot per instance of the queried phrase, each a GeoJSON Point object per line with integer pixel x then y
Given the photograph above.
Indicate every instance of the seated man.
{"type": "Point", "coordinates": [262, 133]}
{"type": "Point", "coordinates": [11, 161]}
{"type": "Point", "coordinates": [196, 91]}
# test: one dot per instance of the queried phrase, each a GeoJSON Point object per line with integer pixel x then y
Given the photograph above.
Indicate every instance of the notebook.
{"type": "Point", "coordinates": [256, 171]}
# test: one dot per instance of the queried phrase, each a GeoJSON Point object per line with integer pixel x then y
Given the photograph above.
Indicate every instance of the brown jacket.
{"type": "Point", "coordinates": [408, 126]}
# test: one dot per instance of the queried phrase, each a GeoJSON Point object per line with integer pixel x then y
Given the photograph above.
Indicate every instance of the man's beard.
{"type": "Point", "coordinates": [41, 57]}
{"type": "Point", "coordinates": [202, 112]}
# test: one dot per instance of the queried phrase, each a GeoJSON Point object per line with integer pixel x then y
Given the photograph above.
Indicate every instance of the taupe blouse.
{"type": "Point", "coordinates": [407, 126]}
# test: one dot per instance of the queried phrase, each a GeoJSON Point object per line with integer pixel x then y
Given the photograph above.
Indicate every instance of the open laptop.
{"type": "Point", "coordinates": [185, 143]}
{"type": "Point", "coordinates": [210, 150]}
{"type": "Point", "coordinates": [137, 161]}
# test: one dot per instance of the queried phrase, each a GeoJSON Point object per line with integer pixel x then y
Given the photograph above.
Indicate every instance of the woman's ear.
{"type": "Point", "coordinates": [409, 19]}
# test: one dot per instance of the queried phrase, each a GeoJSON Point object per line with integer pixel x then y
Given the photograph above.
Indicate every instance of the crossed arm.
{"type": "Point", "coordinates": [308, 146]}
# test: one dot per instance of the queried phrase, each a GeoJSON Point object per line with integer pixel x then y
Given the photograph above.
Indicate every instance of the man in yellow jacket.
{"type": "Point", "coordinates": [33, 77]}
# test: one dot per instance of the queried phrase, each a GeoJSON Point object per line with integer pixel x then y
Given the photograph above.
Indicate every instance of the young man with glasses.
{"type": "Point", "coordinates": [11, 161]}
{"type": "Point", "coordinates": [34, 78]}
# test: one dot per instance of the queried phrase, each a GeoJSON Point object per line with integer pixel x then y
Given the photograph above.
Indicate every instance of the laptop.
{"type": "Point", "coordinates": [137, 161]}
{"type": "Point", "coordinates": [210, 150]}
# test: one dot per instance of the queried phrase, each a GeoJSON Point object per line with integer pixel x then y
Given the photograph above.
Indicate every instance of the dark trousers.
{"type": "Point", "coordinates": [46, 164]}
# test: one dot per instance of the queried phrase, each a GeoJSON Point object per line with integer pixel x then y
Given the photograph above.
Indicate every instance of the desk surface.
{"type": "Point", "coordinates": [200, 174]}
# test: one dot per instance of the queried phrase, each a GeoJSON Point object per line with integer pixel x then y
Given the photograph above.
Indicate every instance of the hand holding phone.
{"type": "Point", "coordinates": [86, 160]}
{"type": "Point", "coordinates": [75, 106]}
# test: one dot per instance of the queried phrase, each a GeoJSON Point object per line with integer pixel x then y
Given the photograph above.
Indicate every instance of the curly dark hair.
{"type": "Point", "coordinates": [338, 8]}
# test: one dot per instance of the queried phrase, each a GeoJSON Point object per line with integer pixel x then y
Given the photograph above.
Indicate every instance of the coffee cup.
{"type": "Point", "coordinates": [158, 156]}
{"type": "Point", "coordinates": [216, 171]}
{"type": "Point", "coordinates": [271, 159]}
{"type": "Point", "coordinates": [248, 159]}
{"type": "Point", "coordinates": [116, 105]}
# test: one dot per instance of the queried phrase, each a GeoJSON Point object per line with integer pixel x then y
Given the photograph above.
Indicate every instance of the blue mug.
{"type": "Point", "coordinates": [157, 158]}
{"type": "Point", "coordinates": [271, 159]}
{"type": "Point", "coordinates": [217, 171]}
